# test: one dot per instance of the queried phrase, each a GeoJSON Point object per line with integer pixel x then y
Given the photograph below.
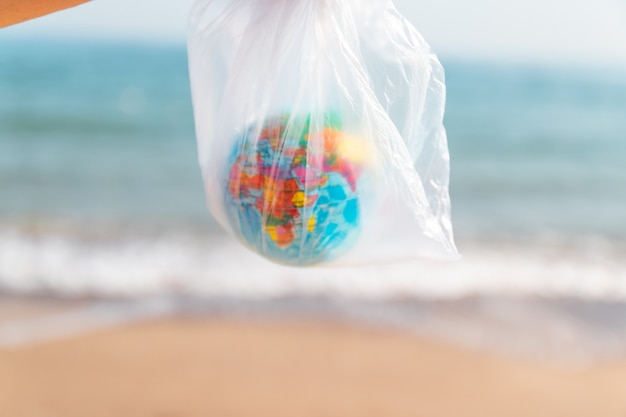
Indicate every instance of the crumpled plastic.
{"type": "Point", "coordinates": [320, 132]}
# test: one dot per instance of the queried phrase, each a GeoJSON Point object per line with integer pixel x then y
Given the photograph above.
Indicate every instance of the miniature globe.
{"type": "Point", "coordinates": [292, 191]}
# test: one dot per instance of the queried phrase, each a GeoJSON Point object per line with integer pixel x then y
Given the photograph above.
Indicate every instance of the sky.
{"type": "Point", "coordinates": [543, 31]}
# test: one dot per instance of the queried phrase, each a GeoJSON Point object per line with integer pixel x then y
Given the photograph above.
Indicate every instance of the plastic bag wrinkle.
{"type": "Point", "coordinates": [254, 62]}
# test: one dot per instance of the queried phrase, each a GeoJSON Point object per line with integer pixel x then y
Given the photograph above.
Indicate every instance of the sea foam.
{"type": "Point", "coordinates": [217, 266]}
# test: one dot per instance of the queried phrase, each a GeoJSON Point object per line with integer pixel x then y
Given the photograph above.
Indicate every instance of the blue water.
{"type": "Point", "coordinates": [100, 189]}
{"type": "Point", "coordinates": [104, 133]}
{"type": "Point", "coordinates": [537, 150]}
{"type": "Point", "coordinates": [98, 132]}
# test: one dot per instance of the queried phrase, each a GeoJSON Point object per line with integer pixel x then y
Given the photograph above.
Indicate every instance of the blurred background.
{"type": "Point", "coordinates": [103, 222]}
{"type": "Point", "coordinates": [101, 201]}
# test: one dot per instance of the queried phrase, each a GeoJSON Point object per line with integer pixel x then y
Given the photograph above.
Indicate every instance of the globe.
{"type": "Point", "coordinates": [292, 192]}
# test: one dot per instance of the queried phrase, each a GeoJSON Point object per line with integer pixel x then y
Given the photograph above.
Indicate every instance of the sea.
{"type": "Point", "coordinates": [101, 198]}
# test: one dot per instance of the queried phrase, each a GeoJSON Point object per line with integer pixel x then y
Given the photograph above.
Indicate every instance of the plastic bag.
{"type": "Point", "coordinates": [319, 128]}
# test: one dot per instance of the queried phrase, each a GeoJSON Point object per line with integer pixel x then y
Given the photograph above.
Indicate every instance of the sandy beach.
{"type": "Point", "coordinates": [235, 367]}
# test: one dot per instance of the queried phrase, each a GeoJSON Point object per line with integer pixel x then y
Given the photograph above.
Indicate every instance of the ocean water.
{"type": "Point", "coordinates": [101, 195]}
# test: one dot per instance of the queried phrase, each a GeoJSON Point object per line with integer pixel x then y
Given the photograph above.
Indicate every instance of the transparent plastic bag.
{"type": "Point", "coordinates": [319, 128]}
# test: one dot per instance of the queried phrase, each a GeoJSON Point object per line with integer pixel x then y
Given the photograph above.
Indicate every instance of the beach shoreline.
{"type": "Point", "coordinates": [566, 331]}
{"type": "Point", "coordinates": [224, 366]}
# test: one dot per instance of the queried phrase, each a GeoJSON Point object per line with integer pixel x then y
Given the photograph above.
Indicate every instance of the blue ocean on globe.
{"type": "Point", "coordinates": [289, 205]}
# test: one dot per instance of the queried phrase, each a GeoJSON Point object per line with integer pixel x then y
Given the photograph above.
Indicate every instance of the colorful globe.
{"type": "Point", "coordinates": [292, 193]}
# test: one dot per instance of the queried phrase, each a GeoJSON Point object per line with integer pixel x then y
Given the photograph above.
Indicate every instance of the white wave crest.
{"type": "Point", "coordinates": [217, 266]}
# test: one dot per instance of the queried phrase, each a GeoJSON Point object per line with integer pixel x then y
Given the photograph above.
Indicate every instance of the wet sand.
{"type": "Point", "coordinates": [237, 367]}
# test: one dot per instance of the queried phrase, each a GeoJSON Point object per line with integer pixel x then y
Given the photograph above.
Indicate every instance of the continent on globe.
{"type": "Point", "coordinates": [292, 191]}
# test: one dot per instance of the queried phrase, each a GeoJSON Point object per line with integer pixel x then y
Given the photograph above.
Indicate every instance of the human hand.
{"type": "Point", "coordinates": [16, 11]}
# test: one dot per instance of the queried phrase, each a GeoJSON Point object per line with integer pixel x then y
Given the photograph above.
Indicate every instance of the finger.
{"type": "Point", "coordinates": [16, 11]}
